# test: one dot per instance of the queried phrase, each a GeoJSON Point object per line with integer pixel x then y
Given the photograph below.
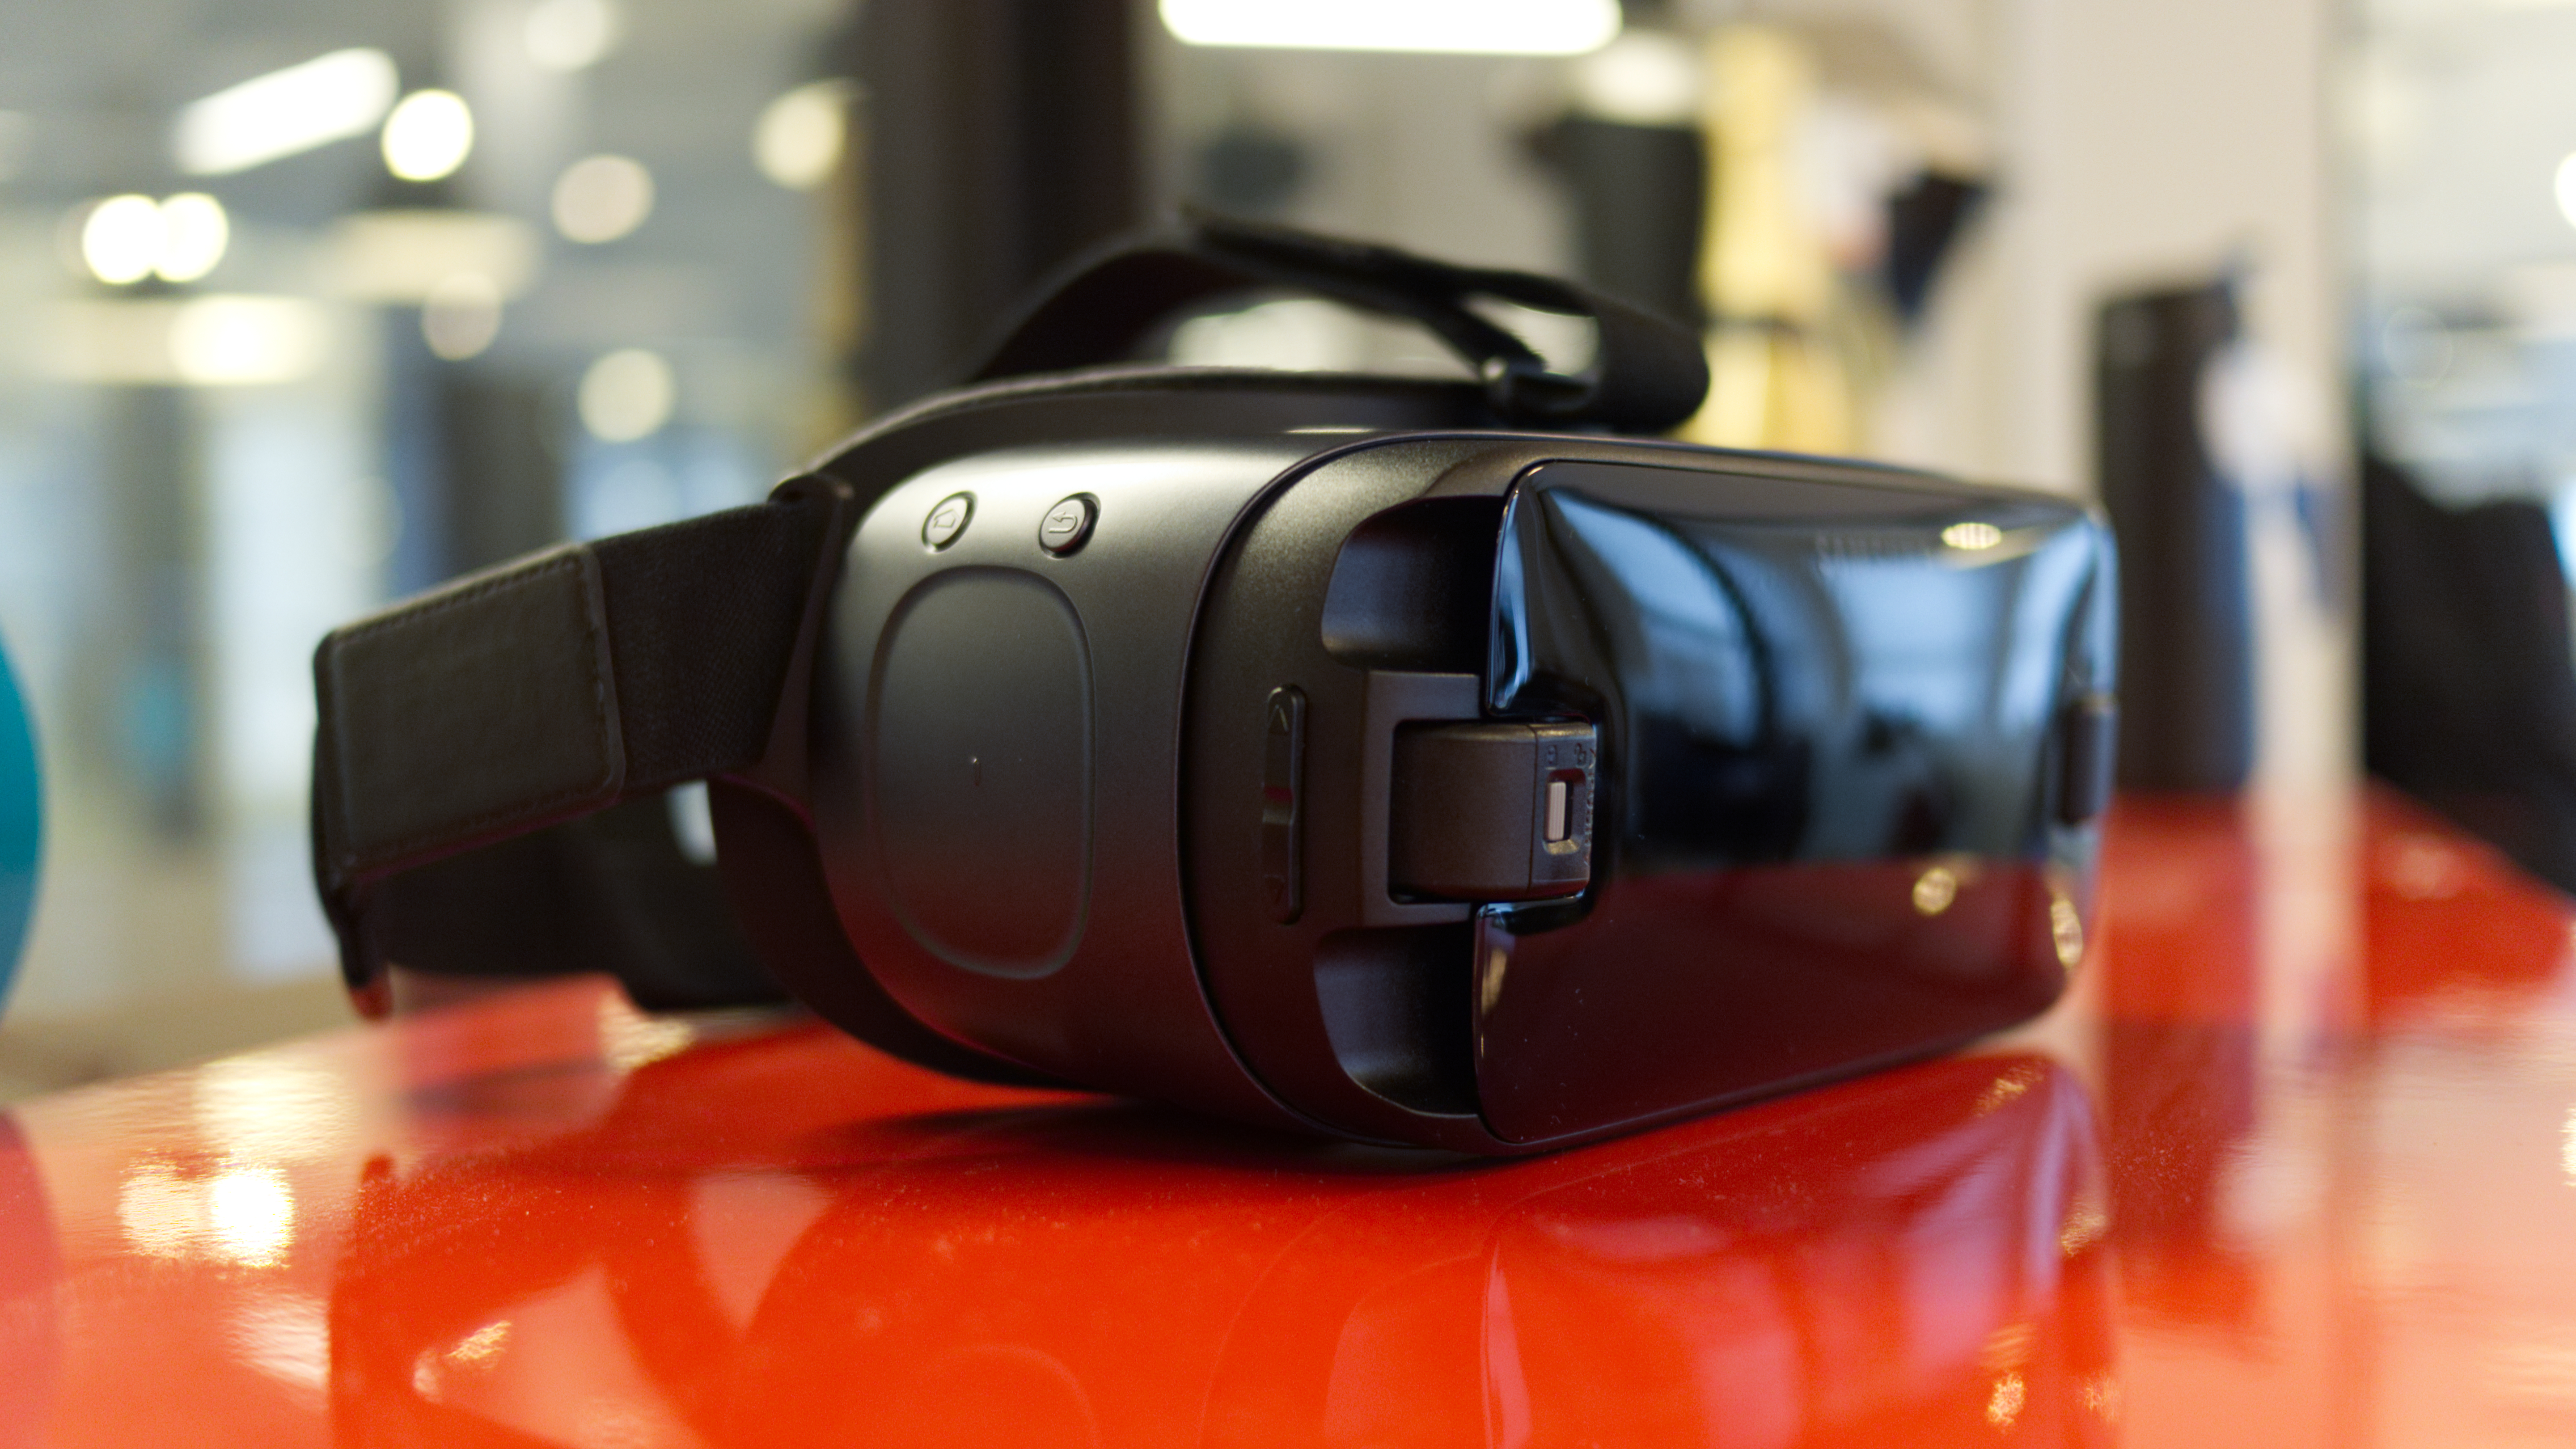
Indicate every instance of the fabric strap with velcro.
{"type": "Point", "coordinates": [556, 686]}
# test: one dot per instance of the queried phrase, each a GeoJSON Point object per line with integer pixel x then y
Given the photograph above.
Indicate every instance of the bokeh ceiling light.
{"type": "Point", "coordinates": [2566, 188]}
{"type": "Point", "coordinates": [229, 341]}
{"type": "Point", "coordinates": [570, 34]}
{"type": "Point", "coordinates": [626, 395]}
{"type": "Point", "coordinates": [225, 340]}
{"type": "Point", "coordinates": [428, 136]}
{"type": "Point", "coordinates": [602, 198]}
{"type": "Point", "coordinates": [194, 234]}
{"type": "Point", "coordinates": [799, 139]}
{"type": "Point", "coordinates": [323, 100]}
{"type": "Point", "coordinates": [402, 256]}
{"type": "Point", "coordinates": [121, 240]}
{"type": "Point", "coordinates": [1644, 78]}
{"type": "Point", "coordinates": [461, 316]}
{"type": "Point", "coordinates": [1465, 27]}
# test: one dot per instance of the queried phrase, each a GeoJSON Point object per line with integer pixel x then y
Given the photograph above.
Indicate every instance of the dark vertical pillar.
{"type": "Point", "coordinates": [415, 462]}
{"type": "Point", "coordinates": [472, 466]}
{"type": "Point", "coordinates": [2186, 622]}
{"type": "Point", "coordinates": [1002, 139]}
{"type": "Point", "coordinates": [1638, 195]}
{"type": "Point", "coordinates": [504, 478]}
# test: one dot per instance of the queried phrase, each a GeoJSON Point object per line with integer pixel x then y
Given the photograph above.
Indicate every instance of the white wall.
{"type": "Point", "coordinates": [2155, 138]}
{"type": "Point", "coordinates": [2150, 138]}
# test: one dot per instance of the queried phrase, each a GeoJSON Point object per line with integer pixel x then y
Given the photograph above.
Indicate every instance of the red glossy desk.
{"type": "Point", "coordinates": [2295, 1165]}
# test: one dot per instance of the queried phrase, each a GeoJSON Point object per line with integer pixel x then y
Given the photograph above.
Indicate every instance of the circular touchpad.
{"type": "Point", "coordinates": [979, 770]}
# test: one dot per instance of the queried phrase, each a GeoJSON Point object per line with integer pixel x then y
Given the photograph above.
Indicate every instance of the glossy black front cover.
{"type": "Point", "coordinates": [1828, 833]}
{"type": "Point", "coordinates": [1828, 830]}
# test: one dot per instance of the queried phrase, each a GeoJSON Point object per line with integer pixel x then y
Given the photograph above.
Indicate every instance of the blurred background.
{"type": "Point", "coordinates": [309, 304]}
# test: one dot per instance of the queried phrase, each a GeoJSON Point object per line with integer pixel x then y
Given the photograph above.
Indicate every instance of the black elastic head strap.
{"type": "Point", "coordinates": [459, 728]}
{"type": "Point", "coordinates": [557, 686]}
{"type": "Point", "coordinates": [1648, 373]}
{"type": "Point", "coordinates": [491, 756]}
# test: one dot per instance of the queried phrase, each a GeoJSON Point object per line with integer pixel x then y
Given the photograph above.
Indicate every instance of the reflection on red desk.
{"type": "Point", "coordinates": [2295, 1166]}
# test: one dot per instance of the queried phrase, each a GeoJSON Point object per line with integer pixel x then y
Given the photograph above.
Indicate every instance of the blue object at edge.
{"type": "Point", "coordinates": [22, 823]}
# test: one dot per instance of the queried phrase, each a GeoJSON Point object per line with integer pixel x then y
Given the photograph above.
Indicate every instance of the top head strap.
{"type": "Point", "coordinates": [1648, 373]}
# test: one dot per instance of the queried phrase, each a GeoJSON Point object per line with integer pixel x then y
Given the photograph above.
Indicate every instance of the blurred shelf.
{"type": "Point", "coordinates": [155, 1031]}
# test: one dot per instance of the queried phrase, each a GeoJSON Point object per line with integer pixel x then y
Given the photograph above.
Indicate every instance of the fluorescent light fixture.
{"type": "Point", "coordinates": [121, 240]}
{"type": "Point", "coordinates": [237, 341]}
{"type": "Point", "coordinates": [127, 238]}
{"type": "Point", "coordinates": [194, 234]}
{"type": "Point", "coordinates": [2566, 188]}
{"type": "Point", "coordinates": [210, 341]}
{"type": "Point", "coordinates": [403, 257]}
{"type": "Point", "coordinates": [1465, 27]}
{"type": "Point", "coordinates": [428, 136]}
{"type": "Point", "coordinates": [1644, 78]}
{"type": "Point", "coordinates": [323, 100]}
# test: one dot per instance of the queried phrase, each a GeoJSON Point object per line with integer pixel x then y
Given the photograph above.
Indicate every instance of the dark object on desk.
{"type": "Point", "coordinates": [2468, 683]}
{"type": "Point", "coordinates": [1637, 193]}
{"type": "Point", "coordinates": [2186, 641]}
{"type": "Point", "coordinates": [1324, 751]}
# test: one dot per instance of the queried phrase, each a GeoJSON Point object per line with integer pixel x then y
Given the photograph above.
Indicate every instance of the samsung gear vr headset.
{"type": "Point", "coordinates": [1407, 760]}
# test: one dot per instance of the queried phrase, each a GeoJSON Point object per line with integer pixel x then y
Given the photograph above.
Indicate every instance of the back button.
{"type": "Point", "coordinates": [1067, 524]}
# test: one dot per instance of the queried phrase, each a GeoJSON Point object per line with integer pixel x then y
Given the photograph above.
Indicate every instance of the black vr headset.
{"type": "Point", "coordinates": [1408, 760]}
